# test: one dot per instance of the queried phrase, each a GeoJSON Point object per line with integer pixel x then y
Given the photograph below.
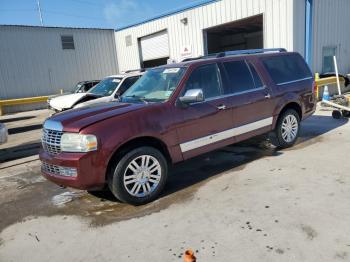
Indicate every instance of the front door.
{"type": "Point", "coordinates": [203, 123]}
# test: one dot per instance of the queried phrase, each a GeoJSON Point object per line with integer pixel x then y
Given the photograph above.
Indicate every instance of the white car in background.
{"type": "Point", "coordinates": [109, 89]}
{"type": "Point", "coordinates": [3, 134]}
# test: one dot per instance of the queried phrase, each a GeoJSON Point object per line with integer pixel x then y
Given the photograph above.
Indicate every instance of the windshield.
{"type": "Point", "coordinates": [156, 85]}
{"type": "Point", "coordinates": [77, 88]}
{"type": "Point", "coordinates": [106, 87]}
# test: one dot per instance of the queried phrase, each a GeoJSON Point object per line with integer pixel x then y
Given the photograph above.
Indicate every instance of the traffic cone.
{"type": "Point", "coordinates": [189, 256]}
{"type": "Point", "coordinates": [325, 96]}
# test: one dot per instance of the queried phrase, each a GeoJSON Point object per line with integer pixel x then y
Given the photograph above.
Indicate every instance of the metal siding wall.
{"type": "Point", "coordinates": [331, 28]}
{"type": "Point", "coordinates": [278, 27]}
{"type": "Point", "coordinates": [32, 62]}
{"type": "Point", "coordinates": [298, 17]}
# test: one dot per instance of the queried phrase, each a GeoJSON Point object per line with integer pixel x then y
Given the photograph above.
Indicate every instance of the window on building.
{"type": "Point", "coordinates": [67, 42]}
{"type": "Point", "coordinates": [239, 77]}
{"type": "Point", "coordinates": [206, 78]}
{"type": "Point", "coordinates": [327, 58]}
{"type": "Point", "coordinates": [128, 40]}
{"type": "Point", "coordinates": [286, 68]}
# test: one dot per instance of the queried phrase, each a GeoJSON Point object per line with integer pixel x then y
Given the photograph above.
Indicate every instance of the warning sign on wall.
{"type": "Point", "coordinates": [186, 50]}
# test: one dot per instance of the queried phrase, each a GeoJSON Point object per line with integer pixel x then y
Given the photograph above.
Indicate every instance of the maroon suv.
{"type": "Point", "coordinates": [176, 112]}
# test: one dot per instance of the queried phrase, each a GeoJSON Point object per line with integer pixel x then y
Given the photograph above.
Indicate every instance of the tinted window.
{"type": "Point", "coordinates": [206, 78]}
{"type": "Point", "coordinates": [256, 77]}
{"type": "Point", "coordinates": [286, 68]}
{"type": "Point", "coordinates": [127, 84]}
{"type": "Point", "coordinates": [239, 77]}
{"type": "Point", "coordinates": [106, 87]}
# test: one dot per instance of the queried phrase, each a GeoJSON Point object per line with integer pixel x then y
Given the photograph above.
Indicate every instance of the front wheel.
{"type": "Point", "coordinates": [287, 129]}
{"type": "Point", "coordinates": [139, 176]}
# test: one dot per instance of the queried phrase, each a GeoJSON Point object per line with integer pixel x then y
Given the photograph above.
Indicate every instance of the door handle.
{"type": "Point", "coordinates": [221, 107]}
{"type": "Point", "coordinates": [268, 96]}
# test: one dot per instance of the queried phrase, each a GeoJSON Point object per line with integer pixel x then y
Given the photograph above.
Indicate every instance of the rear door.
{"type": "Point", "coordinates": [250, 99]}
{"type": "Point", "coordinates": [204, 124]}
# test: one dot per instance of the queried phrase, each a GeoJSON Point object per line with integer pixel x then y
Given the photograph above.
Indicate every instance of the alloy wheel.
{"type": "Point", "coordinates": [290, 128]}
{"type": "Point", "coordinates": [142, 175]}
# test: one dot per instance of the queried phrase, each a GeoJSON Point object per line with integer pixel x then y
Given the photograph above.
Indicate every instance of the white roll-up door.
{"type": "Point", "coordinates": [155, 46]}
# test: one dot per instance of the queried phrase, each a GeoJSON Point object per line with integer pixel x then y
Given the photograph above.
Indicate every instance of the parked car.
{"type": "Point", "coordinates": [81, 87]}
{"type": "Point", "coordinates": [176, 112]}
{"type": "Point", "coordinates": [3, 134]}
{"type": "Point", "coordinates": [107, 90]}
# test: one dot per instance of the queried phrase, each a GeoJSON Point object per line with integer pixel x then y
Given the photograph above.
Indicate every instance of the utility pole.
{"type": "Point", "coordinates": [40, 15]}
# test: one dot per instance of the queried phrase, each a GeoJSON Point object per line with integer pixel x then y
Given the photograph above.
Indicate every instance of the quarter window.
{"type": "Point", "coordinates": [286, 68]}
{"type": "Point", "coordinates": [239, 77]}
{"type": "Point", "coordinates": [206, 78]}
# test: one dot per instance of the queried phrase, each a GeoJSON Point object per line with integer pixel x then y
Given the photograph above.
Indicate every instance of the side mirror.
{"type": "Point", "coordinates": [192, 96]}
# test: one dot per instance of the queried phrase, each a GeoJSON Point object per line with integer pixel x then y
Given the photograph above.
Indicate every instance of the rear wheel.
{"type": "Point", "coordinates": [139, 176]}
{"type": "Point", "coordinates": [287, 129]}
{"type": "Point", "coordinates": [336, 114]}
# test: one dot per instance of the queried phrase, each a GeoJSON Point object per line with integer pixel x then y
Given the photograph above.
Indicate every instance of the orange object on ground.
{"type": "Point", "coordinates": [189, 256]}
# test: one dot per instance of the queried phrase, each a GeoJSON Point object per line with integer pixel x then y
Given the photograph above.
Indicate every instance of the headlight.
{"type": "Point", "coordinates": [72, 142]}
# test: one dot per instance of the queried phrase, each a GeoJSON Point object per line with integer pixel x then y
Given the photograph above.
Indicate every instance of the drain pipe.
{"type": "Point", "coordinates": [308, 32]}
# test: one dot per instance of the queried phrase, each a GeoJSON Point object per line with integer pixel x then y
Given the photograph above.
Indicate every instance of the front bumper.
{"type": "Point", "coordinates": [89, 173]}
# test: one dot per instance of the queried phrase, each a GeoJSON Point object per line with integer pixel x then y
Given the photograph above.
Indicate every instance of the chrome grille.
{"type": "Point", "coordinates": [51, 141]}
{"type": "Point", "coordinates": [58, 170]}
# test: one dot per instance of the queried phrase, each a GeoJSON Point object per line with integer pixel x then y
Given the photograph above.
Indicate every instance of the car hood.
{"type": "Point", "coordinates": [77, 119]}
{"type": "Point", "coordinates": [66, 101]}
{"type": "Point", "coordinates": [93, 100]}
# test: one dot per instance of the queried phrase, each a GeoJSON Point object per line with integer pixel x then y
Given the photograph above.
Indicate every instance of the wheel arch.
{"type": "Point", "coordinates": [294, 104]}
{"type": "Point", "coordinates": [135, 143]}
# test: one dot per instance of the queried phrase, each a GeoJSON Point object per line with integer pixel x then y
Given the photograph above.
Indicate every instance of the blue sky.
{"type": "Point", "coordinates": [86, 13]}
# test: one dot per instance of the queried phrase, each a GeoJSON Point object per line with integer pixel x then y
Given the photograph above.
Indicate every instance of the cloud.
{"type": "Point", "coordinates": [123, 12]}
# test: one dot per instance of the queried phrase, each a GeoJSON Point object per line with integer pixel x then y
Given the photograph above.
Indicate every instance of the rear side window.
{"type": "Point", "coordinates": [206, 78]}
{"type": "Point", "coordinates": [255, 75]}
{"type": "Point", "coordinates": [239, 77]}
{"type": "Point", "coordinates": [286, 68]}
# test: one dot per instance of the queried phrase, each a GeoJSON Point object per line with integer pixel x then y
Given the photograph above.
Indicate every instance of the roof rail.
{"type": "Point", "coordinates": [135, 70]}
{"type": "Point", "coordinates": [237, 52]}
{"type": "Point", "coordinates": [249, 52]}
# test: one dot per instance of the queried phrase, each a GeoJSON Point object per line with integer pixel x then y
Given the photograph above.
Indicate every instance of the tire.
{"type": "Point", "coordinates": [131, 182]}
{"type": "Point", "coordinates": [336, 114]}
{"type": "Point", "coordinates": [280, 137]}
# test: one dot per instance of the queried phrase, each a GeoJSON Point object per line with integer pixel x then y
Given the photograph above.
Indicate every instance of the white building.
{"type": "Point", "coordinates": [318, 29]}
{"type": "Point", "coordinates": [38, 61]}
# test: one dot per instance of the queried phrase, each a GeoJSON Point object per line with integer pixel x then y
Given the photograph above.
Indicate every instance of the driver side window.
{"type": "Point", "coordinates": [206, 78]}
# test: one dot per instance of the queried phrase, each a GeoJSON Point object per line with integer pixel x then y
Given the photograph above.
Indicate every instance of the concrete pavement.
{"type": "Point", "coordinates": [246, 202]}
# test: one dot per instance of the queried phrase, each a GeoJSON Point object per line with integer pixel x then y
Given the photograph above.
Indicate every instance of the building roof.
{"type": "Point", "coordinates": [55, 27]}
{"type": "Point", "coordinates": [176, 11]}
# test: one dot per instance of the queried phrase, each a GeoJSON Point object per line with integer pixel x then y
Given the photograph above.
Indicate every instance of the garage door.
{"type": "Point", "coordinates": [155, 46]}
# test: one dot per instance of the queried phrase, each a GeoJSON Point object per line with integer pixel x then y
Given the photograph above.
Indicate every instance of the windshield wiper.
{"type": "Point", "coordinates": [141, 98]}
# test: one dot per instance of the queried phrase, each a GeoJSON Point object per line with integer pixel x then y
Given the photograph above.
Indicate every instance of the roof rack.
{"type": "Point", "coordinates": [135, 70]}
{"type": "Point", "coordinates": [237, 52]}
{"type": "Point", "coordinates": [250, 51]}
